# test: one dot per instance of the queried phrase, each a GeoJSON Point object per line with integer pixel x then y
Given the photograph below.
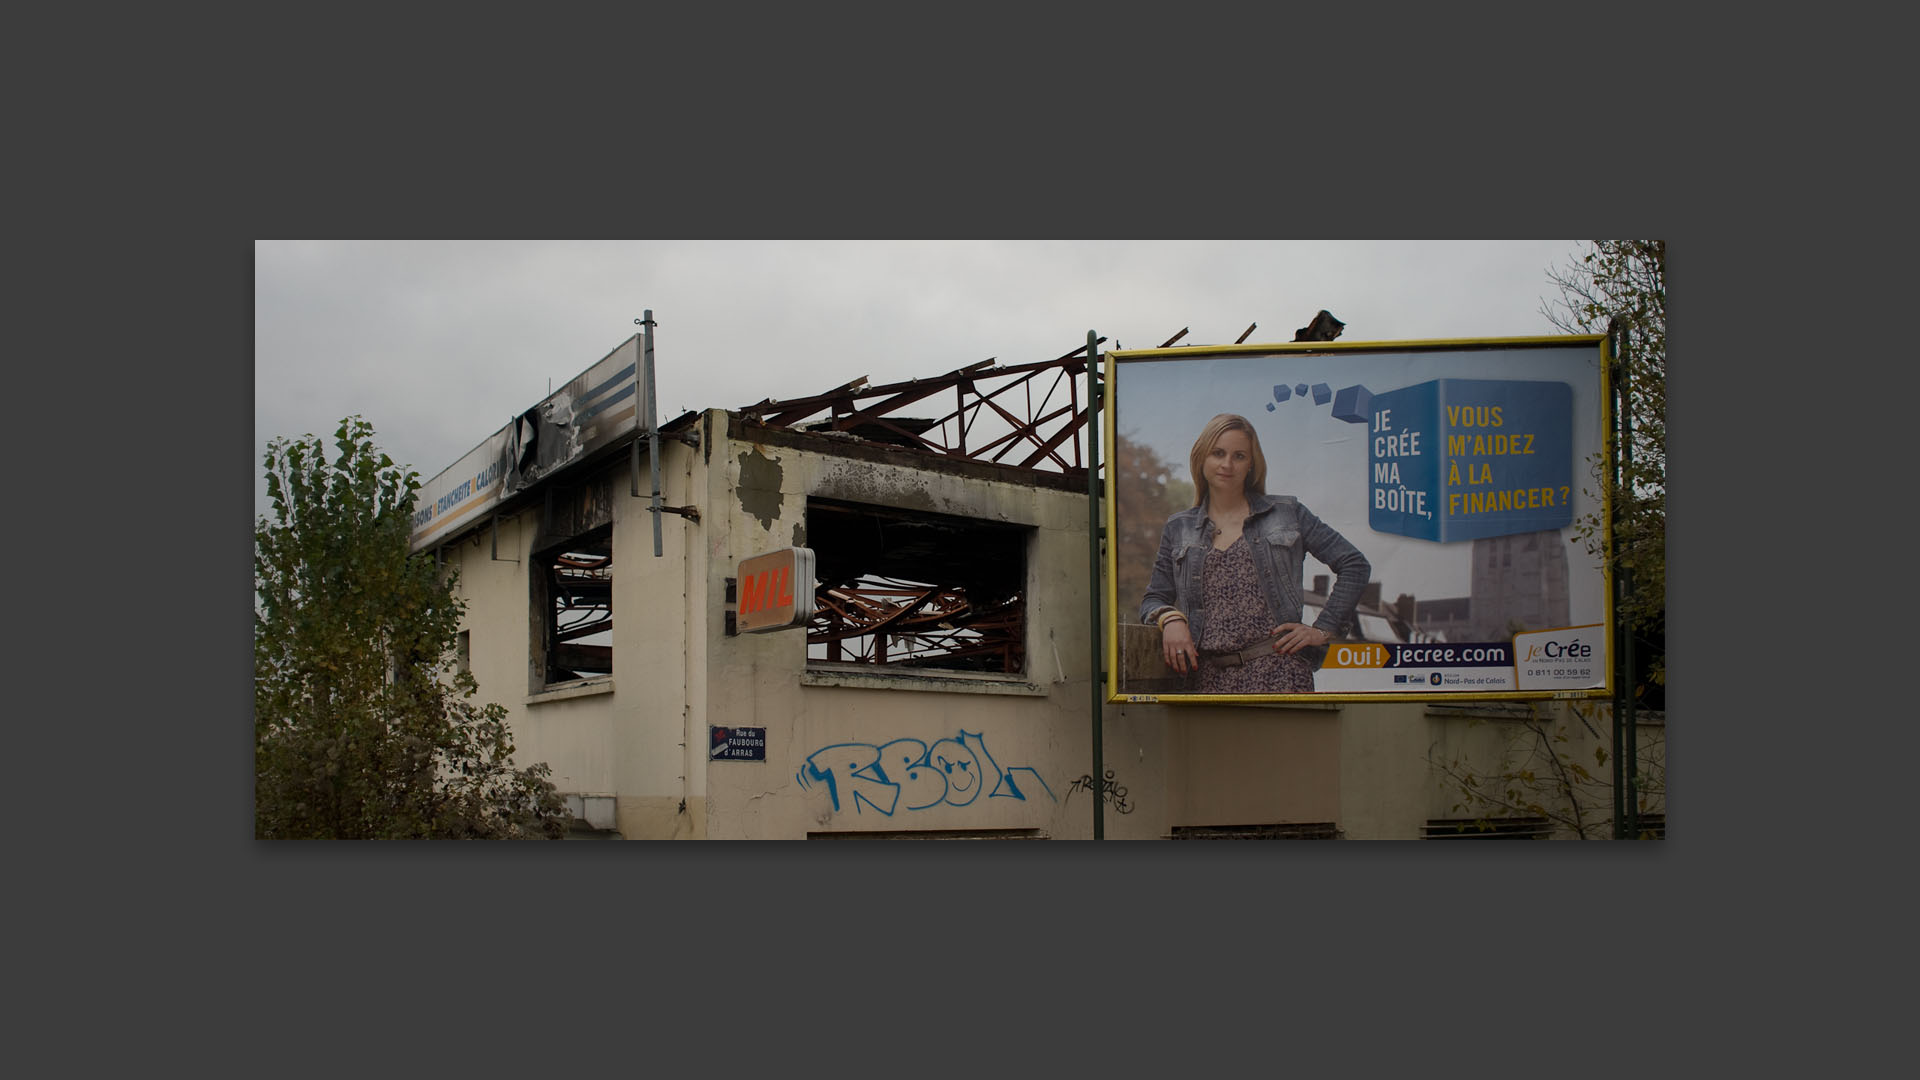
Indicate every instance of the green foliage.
{"type": "Point", "coordinates": [1622, 284]}
{"type": "Point", "coordinates": [362, 726]}
{"type": "Point", "coordinates": [1149, 490]}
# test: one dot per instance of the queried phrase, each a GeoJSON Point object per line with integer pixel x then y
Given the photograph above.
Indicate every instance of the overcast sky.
{"type": "Point", "coordinates": [439, 343]}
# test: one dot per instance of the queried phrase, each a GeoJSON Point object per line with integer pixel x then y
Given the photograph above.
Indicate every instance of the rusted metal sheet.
{"type": "Point", "coordinates": [1037, 409]}
{"type": "Point", "coordinates": [876, 622]}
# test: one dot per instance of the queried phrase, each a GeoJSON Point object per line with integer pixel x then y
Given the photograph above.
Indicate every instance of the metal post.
{"type": "Point", "coordinates": [653, 422]}
{"type": "Point", "coordinates": [1620, 673]}
{"type": "Point", "coordinates": [1093, 583]}
{"type": "Point", "coordinates": [1632, 763]}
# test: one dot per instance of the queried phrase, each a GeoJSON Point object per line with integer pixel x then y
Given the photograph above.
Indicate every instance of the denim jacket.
{"type": "Point", "coordinates": [1281, 533]}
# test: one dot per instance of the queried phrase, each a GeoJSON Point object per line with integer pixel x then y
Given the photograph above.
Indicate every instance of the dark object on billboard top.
{"type": "Point", "coordinates": [1324, 327]}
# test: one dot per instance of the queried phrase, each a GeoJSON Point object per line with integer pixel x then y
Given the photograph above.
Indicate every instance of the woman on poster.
{"type": "Point", "coordinates": [1226, 582]}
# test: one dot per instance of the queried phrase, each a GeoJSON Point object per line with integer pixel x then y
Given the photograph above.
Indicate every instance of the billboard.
{"type": "Point", "coordinates": [1356, 521]}
{"type": "Point", "coordinates": [592, 411]}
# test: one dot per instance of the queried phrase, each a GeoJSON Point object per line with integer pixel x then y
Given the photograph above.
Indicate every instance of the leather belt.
{"type": "Point", "coordinates": [1263, 647]}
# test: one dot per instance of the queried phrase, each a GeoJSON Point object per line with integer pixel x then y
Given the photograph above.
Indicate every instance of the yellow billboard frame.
{"type": "Point", "coordinates": [1110, 625]}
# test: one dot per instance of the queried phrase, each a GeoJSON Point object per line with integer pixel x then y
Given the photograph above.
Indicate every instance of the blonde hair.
{"type": "Point", "coordinates": [1216, 427]}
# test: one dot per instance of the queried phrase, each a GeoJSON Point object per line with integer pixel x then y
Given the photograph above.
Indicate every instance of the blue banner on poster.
{"type": "Point", "coordinates": [1461, 459]}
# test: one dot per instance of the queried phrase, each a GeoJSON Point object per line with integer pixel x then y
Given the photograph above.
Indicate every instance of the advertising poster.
{"type": "Point", "coordinates": [1412, 536]}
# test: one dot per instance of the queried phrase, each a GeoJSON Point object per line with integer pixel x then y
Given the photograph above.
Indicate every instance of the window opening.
{"type": "Point", "coordinates": [1318, 830]}
{"type": "Point", "coordinates": [935, 834]}
{"type": "Point", "coordinates": [905, 589]}
{"type": "Point", "coordinates": [1508, 828]}
{"type": "Point", "coordinates": [578, 607]}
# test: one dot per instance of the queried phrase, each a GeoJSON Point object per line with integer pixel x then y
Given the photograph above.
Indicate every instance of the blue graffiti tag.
{"type": "Point", "coordinates": [951, 771]}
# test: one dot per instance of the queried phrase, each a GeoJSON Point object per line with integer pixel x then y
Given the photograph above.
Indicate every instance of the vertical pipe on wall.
{"type": "Point", "coordinates": [653, 423]}
{"type": "Point", "coordinates": [695, 572]}
{"type": "Point", "coordinates": [1093, 582]}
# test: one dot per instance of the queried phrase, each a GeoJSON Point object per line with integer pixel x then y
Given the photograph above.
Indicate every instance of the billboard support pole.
{"type": "Point", "coordinates": [1616, 776]}
{"type": "Point", "coordinates": [1626, 779]}
{"type": "Point", "coordinates": [1093, 582]}
{"type": "Point", "coordinates": [1628, 690]}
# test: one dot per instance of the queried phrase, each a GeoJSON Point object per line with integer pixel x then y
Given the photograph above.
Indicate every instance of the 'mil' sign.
{"type": "Point", "coordinates": [776, 590]}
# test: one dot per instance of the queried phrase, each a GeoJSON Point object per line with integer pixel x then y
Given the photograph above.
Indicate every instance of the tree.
{"type": "Point", "coordinates": [364, 726]}
{"type": "Point", "coordinates": [1622, 285]}
{"type": "Point", "coordinates": [1545, 762]}
{"type": "Point", "coordinates": [1148, 490]}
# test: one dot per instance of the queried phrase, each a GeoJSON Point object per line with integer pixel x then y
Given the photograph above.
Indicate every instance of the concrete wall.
{"type": "Point", "coordinates": [1516, 739]}
{"type": "Point", "coordinates": [966, 753]}
{"type": "Point", "coordinates": [624, 735]}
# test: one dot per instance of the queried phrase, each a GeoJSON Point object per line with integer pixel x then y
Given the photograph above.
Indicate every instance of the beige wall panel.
{"type": "Point", "coordinates": [639, 817]}
{"type": "Point", "coordinates": [652, 669]}
{"type": "Point", "coordinates": [1134, 750]}
{"type": "Point", "coordinates": [1253, 766]}
{"type": "Point", "coordinates": [1385, 782]}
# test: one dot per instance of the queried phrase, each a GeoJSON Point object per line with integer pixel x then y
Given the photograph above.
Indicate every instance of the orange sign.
{"type": "Point", "coordinates": [775, 590]}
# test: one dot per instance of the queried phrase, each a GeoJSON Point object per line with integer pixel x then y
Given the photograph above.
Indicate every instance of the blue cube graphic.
{"type": "Point", "coordinates": [1321, 393]}
{"type": "Point", "coordinates": [1352, 405]}
{"type": "Point", "coordinates": [1282, 393]}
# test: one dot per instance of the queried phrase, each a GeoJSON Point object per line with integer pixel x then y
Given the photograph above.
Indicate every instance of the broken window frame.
{"type": "Point", "coordinates": [880, 614]}
{"type": "Point", "coordinates": [573, 599]}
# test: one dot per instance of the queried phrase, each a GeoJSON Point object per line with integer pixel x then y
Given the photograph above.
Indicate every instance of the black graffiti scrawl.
{"type": "Point", "coordinates": [1111, 791]}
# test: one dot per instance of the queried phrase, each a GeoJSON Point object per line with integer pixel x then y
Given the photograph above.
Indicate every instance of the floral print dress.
{"type": "Point", "coordinates": [1238, 617]}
